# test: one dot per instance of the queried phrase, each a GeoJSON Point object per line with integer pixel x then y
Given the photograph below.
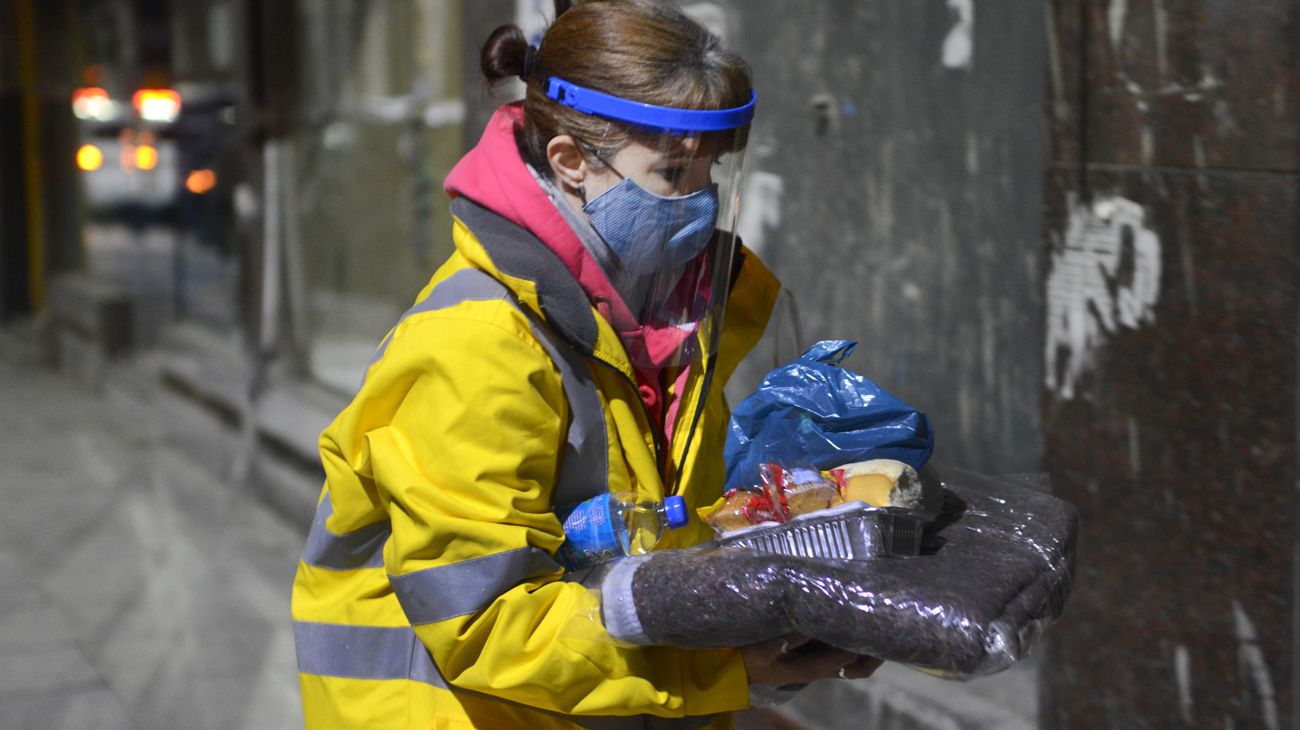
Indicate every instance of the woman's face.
{"type": "Point", "coordinates": [680, 167]}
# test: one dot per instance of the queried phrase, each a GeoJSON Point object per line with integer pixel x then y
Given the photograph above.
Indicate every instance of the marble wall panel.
{"type": "Point", "coordinates": [1063, 104]}
{"type": "Point", "coordinates": [1193, 83]}
{"type": "Point", "coordinates": [1178, 446]}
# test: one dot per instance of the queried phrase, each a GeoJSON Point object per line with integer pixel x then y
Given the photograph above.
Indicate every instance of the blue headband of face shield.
{"type": "Point", "coordinates": [669, 119]}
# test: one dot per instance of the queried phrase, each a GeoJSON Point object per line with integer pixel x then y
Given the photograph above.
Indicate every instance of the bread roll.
{"type": "Point", "coordinates": [806, 490]}
{"type": "Point", "coordinates": [883, 483]}
{"type": "Point", "coordinates": [738, 509]}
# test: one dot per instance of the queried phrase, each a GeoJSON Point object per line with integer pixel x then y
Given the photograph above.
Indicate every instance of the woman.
{"type": "Point", "coordinates": [571, 345]}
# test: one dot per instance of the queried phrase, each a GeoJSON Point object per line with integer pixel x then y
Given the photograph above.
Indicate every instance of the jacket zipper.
{"type": "Point", "coordinates": [661, 453]}
{"type": "Point", "coordinates": [709, 364]}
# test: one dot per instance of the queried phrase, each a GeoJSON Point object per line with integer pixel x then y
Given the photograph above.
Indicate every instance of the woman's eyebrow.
{"type": "Point", "coordinates": [677, 158]}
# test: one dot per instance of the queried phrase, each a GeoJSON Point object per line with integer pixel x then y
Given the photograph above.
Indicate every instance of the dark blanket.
{"type": "Point", "coordinates": [994, 573]}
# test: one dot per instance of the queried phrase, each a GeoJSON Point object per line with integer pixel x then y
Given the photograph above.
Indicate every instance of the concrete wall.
{"type": "Point", "coordinates": [893, 186]}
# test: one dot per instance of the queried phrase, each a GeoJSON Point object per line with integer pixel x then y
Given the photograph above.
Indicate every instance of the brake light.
{"type": "Point", "coordinates": [92, 102]}
{"type": "Point", "coordinates": [157, 105]}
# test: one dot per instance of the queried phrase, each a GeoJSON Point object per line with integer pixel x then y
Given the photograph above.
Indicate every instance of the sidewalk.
{"type": "Point", "coordinates": [140, 592]}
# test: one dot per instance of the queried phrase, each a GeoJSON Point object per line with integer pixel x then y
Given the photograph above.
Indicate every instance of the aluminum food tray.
{"type": "Point", "coordinates": [855, 531]}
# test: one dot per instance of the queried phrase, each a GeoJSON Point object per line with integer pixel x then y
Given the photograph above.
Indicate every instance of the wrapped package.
{"type": "Point", "coordinates": [993, 574]}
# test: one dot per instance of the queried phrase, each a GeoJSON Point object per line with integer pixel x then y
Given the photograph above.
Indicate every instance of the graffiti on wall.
{"type": "Point", "coordinates": [1105, 274]}
{"type": "Point", "coordinates": [959, 44]}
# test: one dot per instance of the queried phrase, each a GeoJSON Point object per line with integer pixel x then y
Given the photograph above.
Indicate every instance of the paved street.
{"type": "Point", "coordinates": [139, 591]}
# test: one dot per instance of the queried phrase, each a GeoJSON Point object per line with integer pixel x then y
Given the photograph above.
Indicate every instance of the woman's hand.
{"type": "Point", "coordinates": [791, 660]}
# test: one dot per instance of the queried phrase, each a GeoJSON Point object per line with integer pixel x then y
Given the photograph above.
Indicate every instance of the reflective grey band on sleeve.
{"type": "Point", "coordinates": [363, 548]}
{"type": "Point", "coordinates": [617, 606]}
{"type": "Point", "coordinates": [466, 285]}
{"type": "Point", "coordinates": [447, 591]}
{"type": "Point", "coordinates": [364, 652]}
{"type": "Point", "coordinates": [584, 466]}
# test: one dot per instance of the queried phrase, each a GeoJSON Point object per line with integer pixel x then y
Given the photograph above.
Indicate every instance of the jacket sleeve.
{"type": "Point", "coordinates": [466, 466]}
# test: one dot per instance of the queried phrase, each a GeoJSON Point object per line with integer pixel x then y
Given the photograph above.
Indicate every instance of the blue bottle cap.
{"type": "Point", "coordinates": [675, 511]}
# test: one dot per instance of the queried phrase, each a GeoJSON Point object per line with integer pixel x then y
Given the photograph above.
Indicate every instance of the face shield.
{"type": "Point", "coordinates": [665, 206]}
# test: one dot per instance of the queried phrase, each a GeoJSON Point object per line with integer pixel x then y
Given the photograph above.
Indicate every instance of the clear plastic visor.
{"type": "Point", "coordinates": [665, 206]}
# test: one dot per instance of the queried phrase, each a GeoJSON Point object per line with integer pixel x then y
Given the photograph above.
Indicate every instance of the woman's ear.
{"type": "Point", "coordinates": [567, 161]}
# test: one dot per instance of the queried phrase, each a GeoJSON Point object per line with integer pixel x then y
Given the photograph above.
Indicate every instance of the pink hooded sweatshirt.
{"type": "Point", "coordinates": [494, 175]}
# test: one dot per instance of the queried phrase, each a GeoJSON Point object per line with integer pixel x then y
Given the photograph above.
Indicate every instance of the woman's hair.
{"type": "Point", "coordinates": [634, 49]}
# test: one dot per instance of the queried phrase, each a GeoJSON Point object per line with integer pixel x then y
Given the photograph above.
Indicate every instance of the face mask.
{"type": "Point", "coordinates": [651, 233]}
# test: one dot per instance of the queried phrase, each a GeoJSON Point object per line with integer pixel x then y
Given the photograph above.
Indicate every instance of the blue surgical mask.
{"type": "Point", "coordinates": [651, 233]}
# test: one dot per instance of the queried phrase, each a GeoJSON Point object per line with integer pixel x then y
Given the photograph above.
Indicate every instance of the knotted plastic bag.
{"type": "Point", "coordinates": [813, 412]}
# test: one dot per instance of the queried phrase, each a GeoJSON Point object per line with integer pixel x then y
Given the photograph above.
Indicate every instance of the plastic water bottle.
{"type": "Point", "coordinates": [615, 524]}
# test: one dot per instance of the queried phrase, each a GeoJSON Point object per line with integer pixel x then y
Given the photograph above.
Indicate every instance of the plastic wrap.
{"type": "Point", "coordinates": [993, 573]}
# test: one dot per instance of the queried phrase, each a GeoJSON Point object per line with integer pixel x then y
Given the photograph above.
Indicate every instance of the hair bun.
{"type": "Point", "coordinates": [503, 54]}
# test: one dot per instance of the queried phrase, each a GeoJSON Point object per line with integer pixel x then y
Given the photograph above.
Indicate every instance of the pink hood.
{"type": "Point", "coordinates": [493, 175]}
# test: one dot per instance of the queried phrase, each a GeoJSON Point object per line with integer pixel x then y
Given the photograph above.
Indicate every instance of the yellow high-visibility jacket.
{"type": "Point", "coordinates": [428, 595]}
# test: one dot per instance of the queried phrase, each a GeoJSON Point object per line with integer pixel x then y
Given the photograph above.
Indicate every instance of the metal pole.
{"type": "Point", "coordinates": [34, 178]}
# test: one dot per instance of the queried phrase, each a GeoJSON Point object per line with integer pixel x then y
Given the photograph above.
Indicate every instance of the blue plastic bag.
{"type": "Point", "coordinates": [814, 413]}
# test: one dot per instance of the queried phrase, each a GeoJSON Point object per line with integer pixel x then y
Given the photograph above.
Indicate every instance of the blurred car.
{"type": "Point", "coordinates": [159, 158]}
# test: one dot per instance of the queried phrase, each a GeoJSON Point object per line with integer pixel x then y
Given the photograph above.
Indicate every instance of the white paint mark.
{"type": "Point", "coordinates": [1224, 123]}
{"type": "Point", "coordinates": [1115, 22]}
{"type": "Point", "coordinates": [959, 45]}
{"type": "Point", "coordinates": [1162, 37]}
{"type": "Point", "coordinates": [1250, 659]}
{"type": "Point", "coordinates": [1106, 276]}
{"type": "Point", "coordinates": [912, 293]}
{"type": "Point", "coordinates": [1148, 145]}
{"type": "Point", "coordinates": [709, 15]}
{"type": "Point", "coordinates": [1198, 152]}
{"type": "Point", "coordinates": [972, 153]}
{"type": "Point", "coordinates": [1183, 672]}
{"type": "Point", "coordinates": [761, 209]}
{"type": "Point", "coordinates": [880, 185]}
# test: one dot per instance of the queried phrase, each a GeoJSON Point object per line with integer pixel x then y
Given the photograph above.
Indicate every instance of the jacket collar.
{"type": "Point", "coordinates": [539, 279]}
{"type": "Point", "coordinates": [542, 282]}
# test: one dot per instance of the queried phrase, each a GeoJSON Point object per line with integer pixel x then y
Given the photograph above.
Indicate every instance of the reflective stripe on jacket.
{"type": "Point", "coordinates": [428, 594]}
